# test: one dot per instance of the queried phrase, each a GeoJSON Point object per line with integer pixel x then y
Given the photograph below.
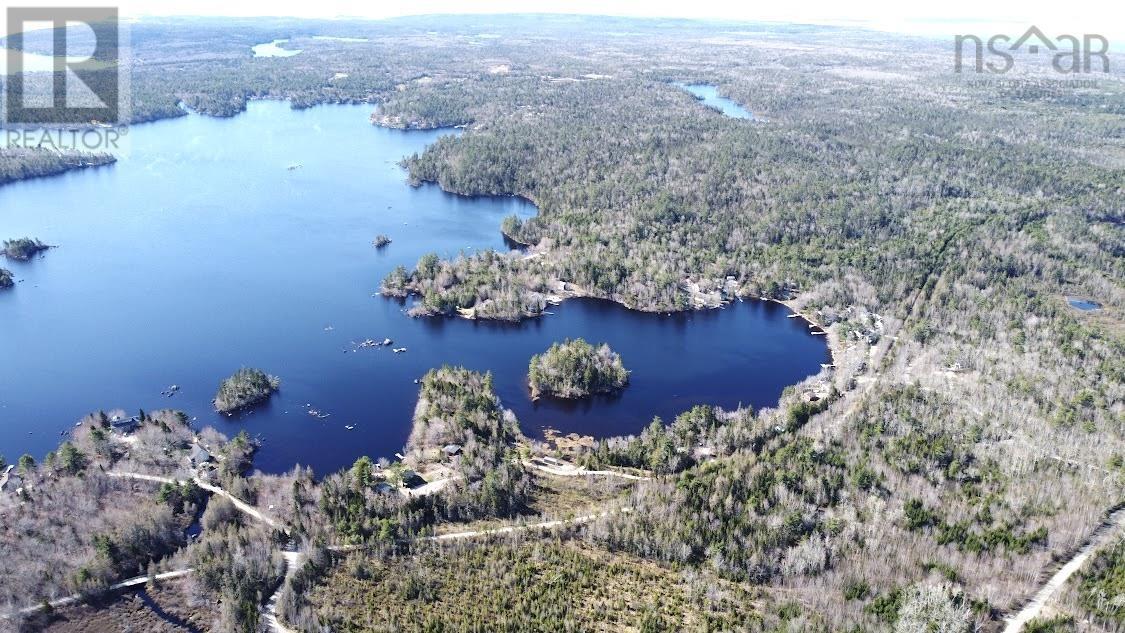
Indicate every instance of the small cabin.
{"type": "Point", "coordinates": [451, 450]}
{"type": "Point", "coordinates": [10, 480]}
{"type": "Point", "coordinates": [125, 426]}
{"type": "Point", "coordinates": [411, 479]}
{"type": "Point", "coordinates": [198, 455]}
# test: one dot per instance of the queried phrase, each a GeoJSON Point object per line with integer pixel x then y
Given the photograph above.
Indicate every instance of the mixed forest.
{"type": "Point", "coordinates": [575, 369]}
{"type": "Point", "coordinates": [967, 438]}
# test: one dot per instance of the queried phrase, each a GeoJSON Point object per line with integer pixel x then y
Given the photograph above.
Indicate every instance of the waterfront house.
{"type": "Point", "coordinates": [198, 456]}
{"type": "Point", "coordinates": [125, 426]}
{"type": "Point", "coordinates": [10, 480]}
{"type": "Point", "coordinates": [411, 479]}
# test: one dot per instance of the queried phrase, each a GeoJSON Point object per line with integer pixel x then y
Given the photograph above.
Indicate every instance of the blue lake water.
{"type": "Point", "coordinates": [1084, 305]}
{"type": "Point", "coordinates": [200, 251]}
{"type": "Point", "coordinates": [273, 49]}
{"type": "Point", "coordinates": [709, 95]}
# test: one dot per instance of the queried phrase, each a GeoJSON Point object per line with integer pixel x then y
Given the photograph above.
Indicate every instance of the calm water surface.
{"type": "Point", "coordinates": [1084, 305]}
{"type": "Point", "coordinates": [200, 251]}
{"type": "Point", "coordinates": [273, 49]}
{"type": "Point", "coordinates": [35, 63]}
{"type": "Point", "coordinates": [709, 95]}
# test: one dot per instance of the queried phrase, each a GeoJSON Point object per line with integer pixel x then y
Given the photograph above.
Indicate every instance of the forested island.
{"type": "Point", "coordinates": [575, 369]}
{"type": "Point", "coordinates": [245, 388]}
{"type": "Point", "coordinates": [6, 280]}
{"type": "Point", "coordinates": [23, 249]}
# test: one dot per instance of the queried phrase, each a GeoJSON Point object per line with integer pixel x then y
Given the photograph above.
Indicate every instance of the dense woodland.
{"type": "Point", "coordinates": [575, 369]}
{"type": "Point", "coordinates": [455, 406]}
{"type": "Point", "coordinates": [972, 421]}
{"type": "Point", "coordinates": [1101, 586]}
{"type": "Point", "coordinates": [500, 587]}
{"type": "Point", "coordinates": [959, 216]}
{"type": "Point", "coordinates": [245, 388]}
{"type": "Point", "coordinates": [23, 248]}
{"type": "Point", "coordinates": [19, 164]}
{"type": "Point", "coordinates": [490, 285]}
{"type": "Point", "coordinates": [72, 528]}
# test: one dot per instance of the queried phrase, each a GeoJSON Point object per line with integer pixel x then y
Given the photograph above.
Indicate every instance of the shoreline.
{"type": "Point", "coordinates": [559, 296]}
{"type": "Point", "coordinates": [832, 343]}
{"type": "Point", "coordinates": [567, 291]}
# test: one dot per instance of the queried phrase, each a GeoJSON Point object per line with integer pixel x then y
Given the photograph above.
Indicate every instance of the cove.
{"type": "Point", "coordinates": [217, 243]}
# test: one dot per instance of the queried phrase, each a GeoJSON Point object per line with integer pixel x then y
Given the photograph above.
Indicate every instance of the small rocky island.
{"type": "Point", "coordinates": [380, 241]}
{"type": "Point", "coordinates": [245, 388]}
{"type": "Point", "coordinates": [23, 249]}
{"type": "Point", "coordinates": [576, 369]}
{"type": "Point", "coordinates": [6, 280]}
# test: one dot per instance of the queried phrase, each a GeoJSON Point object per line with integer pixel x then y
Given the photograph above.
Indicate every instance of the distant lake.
{"type": "Point", "coordinates": [273, 49]}
{"type": "Point", "coordinates": [217, 243]}
{"type": "Point", "coordinates": [709, 95]}
{"type": "Point", "coordinates": [34, 62]}
{"type": "Point", "coordinates": [340, 38]}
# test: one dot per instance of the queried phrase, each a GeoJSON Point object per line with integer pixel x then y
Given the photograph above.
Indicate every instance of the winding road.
{"type": "Point", "coordinates": [558, 467]}
{"type": "Point", "coordinates": [1110, 529]}
{"type": "Point", "coordinates": [293, 559]}
{"type": "Point", "coordinates": [124, 584]}
{"type": "Point", "coordinates": [238, 503]}
{"type": "Point", "coordinates": [241, 505]}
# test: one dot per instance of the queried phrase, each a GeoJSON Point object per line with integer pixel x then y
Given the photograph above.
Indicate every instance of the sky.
{"type": "Point", "coordinates": [940, 19]}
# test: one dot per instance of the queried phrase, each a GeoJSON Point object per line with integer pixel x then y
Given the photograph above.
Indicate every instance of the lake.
{"type": "Point", "coordinates": [340, 38]}
{"type": "Point", "coordinates": [35, 62]}
{"type": "Point", "coordinates": [273, 49]}
{"type": "Point", "coordinates": [1085, 305]}
{"type": "Point", "coordinates": [709, 96]}
{"type": "Point", "coordinates": [217, 243]}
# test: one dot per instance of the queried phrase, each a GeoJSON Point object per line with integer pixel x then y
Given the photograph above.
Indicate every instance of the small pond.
{"type": "Point", "coordinates": [710, 97]}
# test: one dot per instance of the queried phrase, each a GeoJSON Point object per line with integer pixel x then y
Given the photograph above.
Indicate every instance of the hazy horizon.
{"type": "Point", "coordinates": [957, 16]}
